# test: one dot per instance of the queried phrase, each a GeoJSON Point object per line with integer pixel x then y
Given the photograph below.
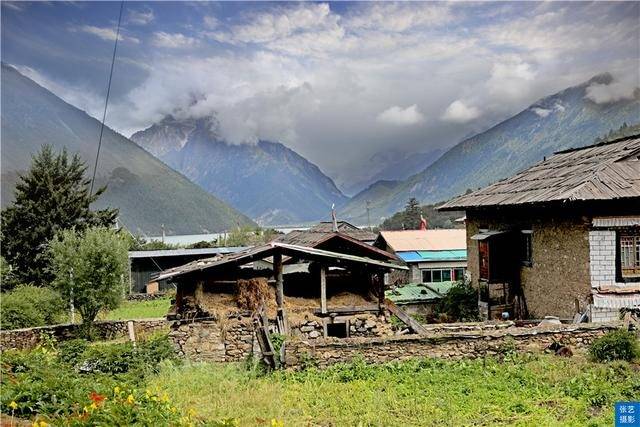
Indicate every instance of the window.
{"type": "Point", "coordinates": [527, 247]}
{"type": "Point", "coordinates": [437, 275]}
{"type": "Point", "coordinates": [458, 273]}
{"type": "Point", "coordinates": [629, 250]}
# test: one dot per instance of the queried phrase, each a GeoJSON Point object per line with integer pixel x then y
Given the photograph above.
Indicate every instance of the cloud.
{"type": "Point", "coordinates": [15, 5]}
{"type": "Point", "coordinates": [173, 40]}
{"type": "Point", "coordinates": [400, 17]}
{"type": "Point", "coordinates": [401, 117]}
{"type": "Point", "coordinates": [616, 90]}
{"type": "Point", "coordinates": [459, 112]}
{"type": "Point", "coordinates": [210, 21]}
{"type": "Point", "coordinates": [511, 79]}
{"type": "Point", "coordinates": [108, 34]}
{"type": "Point", "coordinates": [545, 111]}
{"type": "Point", "coordinates": [140, 17]}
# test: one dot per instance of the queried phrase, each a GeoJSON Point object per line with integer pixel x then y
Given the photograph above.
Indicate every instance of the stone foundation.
{"type": "Point", "coordinates": [27, 338]}
{"type": "Point", "coordinates": [211, 340]}
{"type": "Point", "coordinates": [451, 344]}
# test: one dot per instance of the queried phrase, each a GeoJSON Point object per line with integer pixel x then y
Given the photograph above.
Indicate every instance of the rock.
{"type": "Point", "coordinates": [314, 334]}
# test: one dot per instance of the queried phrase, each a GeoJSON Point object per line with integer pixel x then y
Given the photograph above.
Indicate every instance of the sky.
{"type": "Point", "coordinates": [337, 82]}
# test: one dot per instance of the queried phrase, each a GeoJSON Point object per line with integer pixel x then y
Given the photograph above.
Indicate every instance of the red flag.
{"type": "Point", "coordinates": [423, 223]}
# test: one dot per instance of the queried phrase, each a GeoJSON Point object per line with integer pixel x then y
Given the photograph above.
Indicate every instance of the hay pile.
{"type": "Point", "coordinates": [251, 293]}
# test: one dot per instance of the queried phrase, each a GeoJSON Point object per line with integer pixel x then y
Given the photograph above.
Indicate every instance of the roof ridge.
{"type": "Point", "coordinates": [598, 144]}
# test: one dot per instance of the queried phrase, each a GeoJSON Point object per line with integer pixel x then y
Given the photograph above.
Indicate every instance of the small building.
{"type": "Point", "coordinates": [433, 256]}
{"type": "Point", "coordinates": [419, 298]}
{"type": "Point", "coordinates": [321, 294]}
{"type": "Point", "coordinates": [559, 238]}
{"type": "Point", "coordinates": [145, 265]}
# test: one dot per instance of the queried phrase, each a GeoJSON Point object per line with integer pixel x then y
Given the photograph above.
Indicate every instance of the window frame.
{"type": "Point", "coordinates": [635, 247]}
{"type": "Point", "coordinates": [526, 256]}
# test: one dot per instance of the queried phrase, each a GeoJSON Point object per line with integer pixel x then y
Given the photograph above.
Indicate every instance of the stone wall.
{"type": "Point", "coordinates": [560, 271]}
{"type": "Point", "coordinates": [211, 340]}
{"type": "Point", "coordinates": [447, 345]}
{"type": "Point", "coordinates": [361, 325]}
{"type": "Point", "coordinates": [30, 337]}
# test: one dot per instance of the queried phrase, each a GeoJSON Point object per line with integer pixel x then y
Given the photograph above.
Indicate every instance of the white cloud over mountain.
{"type": "Point", "coordinates": [353, 78]}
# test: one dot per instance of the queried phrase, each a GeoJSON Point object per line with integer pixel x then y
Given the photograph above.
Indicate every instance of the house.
{"type": "Point", "coordinates": [144, 265]}
{"type": "Point", "coordinates": [559, 238]}
{"type": "Point", "coordinates": [323, 294]}
{"type": "Point", "coordinates": [433, 256]}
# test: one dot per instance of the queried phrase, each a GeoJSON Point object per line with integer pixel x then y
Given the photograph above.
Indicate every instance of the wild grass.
{"type": "Point", "coordinates": [138, 310]}
{"type": "Point", "coordinates": [526, 391]}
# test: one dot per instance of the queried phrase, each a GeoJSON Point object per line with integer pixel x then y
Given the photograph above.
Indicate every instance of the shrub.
{"type": "Point", "coordinates": [460, 303]}
{"type": "Point", "coordinates": [615, 345]}
{"type": "Point", "coordinates": [71, 351]}
{"type": "Point", "coordinates": [27, 306]}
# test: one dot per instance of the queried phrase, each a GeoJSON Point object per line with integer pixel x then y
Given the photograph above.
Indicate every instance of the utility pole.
{"type": "Point", "coordinates": [368, 215]}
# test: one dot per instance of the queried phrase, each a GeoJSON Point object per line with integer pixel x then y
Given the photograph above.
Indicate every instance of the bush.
{"type": "Point", "coordinates": [27, 306]}
{"type": "Point", "coordinates": [71, 351]}
{"type": "Point", "coordinates": [615, 345]}
{"type": "Point", "coordinates": [460, 304]}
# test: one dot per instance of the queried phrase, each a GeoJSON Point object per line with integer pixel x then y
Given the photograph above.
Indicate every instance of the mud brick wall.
{"type": "Point", "coordinates": [445, 345]}
{"type": "Point", "coordinates": [22, 339]}
{"type": "Point", "coordinates": [560, 271]}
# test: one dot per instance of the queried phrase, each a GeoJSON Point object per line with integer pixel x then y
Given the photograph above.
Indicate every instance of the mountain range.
{"type": "Point", "coordinates": [267, 181]}
{"type": "Point", "coordinates": [389, 165]}
{"type": "Point", "coordinates": [563, 120]}
{"type": "Point", "coordinates": [149, 194]}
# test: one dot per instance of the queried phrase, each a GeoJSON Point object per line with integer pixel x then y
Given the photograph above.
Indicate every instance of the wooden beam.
{"type": "Point", "coordinates": [371, 308]}
{"type": "Point", "coordinates": [405, 317]}
{"type": "Point", "coordinates": [323, 289]}
{"type": "Point", "coordinates": [277, 274]}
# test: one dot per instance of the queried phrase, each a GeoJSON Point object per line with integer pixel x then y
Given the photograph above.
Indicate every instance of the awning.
{"type": "Point", "coordinates": [616, 301]}
{"type": "Point", "coordinates": [486, 234]}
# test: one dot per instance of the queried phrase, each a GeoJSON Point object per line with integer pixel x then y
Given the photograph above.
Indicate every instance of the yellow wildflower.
{"type": "Point", "coordinates": [13, 405]}
{"type": "Point", "coordinates": [165, 397]}
{"type": "Point", "coordinates": [173, 409]}
{"type": "Point", "coordinates": [147, 393]}
{"type": "Point", "coordinates": [116, 390]}
{"type": "Point", "coordinates": [277, 423]}
{"type": "Point", "coordinates": [43, 424]}
{"type": "Point", "coordinates": [93, 406]}
{"type": "Point", "coordinates": [130, 398]}
{"type": "Point", "coordinates": [191, 412]}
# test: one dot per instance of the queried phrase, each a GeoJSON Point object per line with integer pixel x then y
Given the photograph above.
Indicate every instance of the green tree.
{"type": "Point", "coordinates": [52, 196]}
{"type": "Point", "coordinates": [411, 214]}
{"type": "Point", "coordinates": [89, 268]}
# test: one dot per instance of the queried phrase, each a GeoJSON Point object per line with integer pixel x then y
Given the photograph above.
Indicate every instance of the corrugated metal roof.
{"type": "Point", "coordinates": [183, 252]}
{"type": "Point", "coordinates": [264, 251]}
{"type": "Point", "coordinates": [421, 256]}
{"type": "Point", "coordinates": [616, 301]}
{"type": "Point", "coordinates": [320, 232]}
{"type": "Point", "coordinates": [604, 171]}
{"type": "Point", "coordinates": [620, 221]}
{"type": "Point", "coordinates": [426, 240]}
{"type": "Point", "coordinates": [418, 292]}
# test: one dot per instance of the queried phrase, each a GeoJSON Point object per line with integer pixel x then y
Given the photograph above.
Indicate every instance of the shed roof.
{"type": "Point", "coordinates": [185, 252]}
{"type": "Point", "coordinates": [319, 233]}
{"type": "Point", "coordinates": [426, 240]}
{"type": "Point", "coordinates": [605, 171]}
{"type": "Point", "coordinates": [264, 251]}
{"type": "Point", "coordinates": [426, 256]}
{"type": "Point", "coordinates": [418, 292]}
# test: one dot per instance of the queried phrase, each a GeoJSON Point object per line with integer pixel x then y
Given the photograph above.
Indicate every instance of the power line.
{"type": "Point", "coordinates": [106, 101]}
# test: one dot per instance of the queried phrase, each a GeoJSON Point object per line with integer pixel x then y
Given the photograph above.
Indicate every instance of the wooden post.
{"type": "Point", "coordinates": [277, 274]}
{"type": "Point", "coordinates": [323, 289]}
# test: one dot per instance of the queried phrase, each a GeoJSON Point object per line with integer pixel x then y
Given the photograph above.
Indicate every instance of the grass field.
{"type": "Point", "coordinates": [527, 391]}
{"type": "Point", "coordinates": [138, 310]}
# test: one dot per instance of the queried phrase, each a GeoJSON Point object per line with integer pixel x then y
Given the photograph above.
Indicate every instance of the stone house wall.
{"type": "Point", "coordinates": [446, 345]}
{"type": "Point", "coordinates": [560, 271]}
{"type": "Point", "coordinates": [26, 338]}
{"type": "Point", "coordinates": [210, 340]}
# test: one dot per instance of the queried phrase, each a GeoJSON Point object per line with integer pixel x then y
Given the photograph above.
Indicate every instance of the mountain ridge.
{"type": "Point", "coordinates": [562, 120]}
{"type": "Point", "coordinates": [147, 192]}
{"type": "Point", "coordinates": [267, 180]}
